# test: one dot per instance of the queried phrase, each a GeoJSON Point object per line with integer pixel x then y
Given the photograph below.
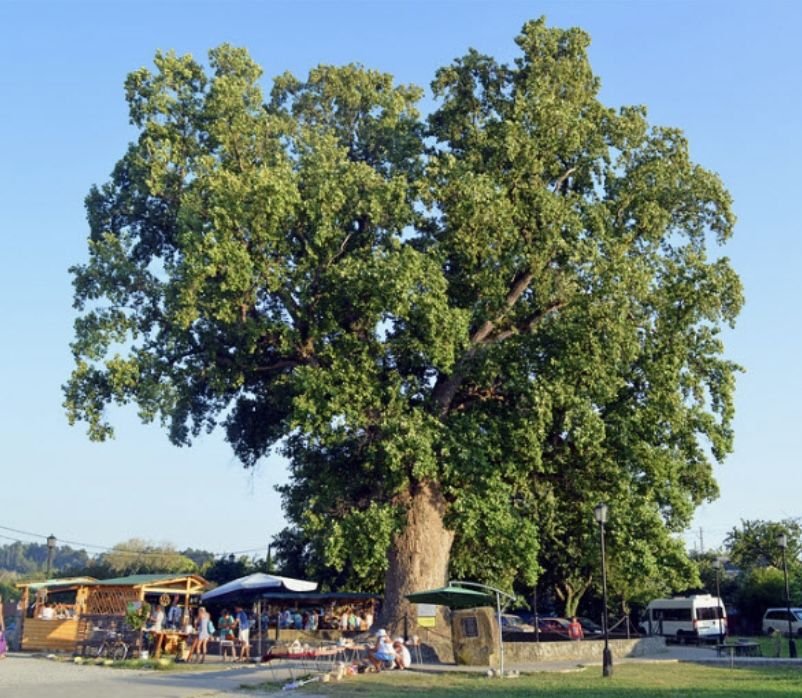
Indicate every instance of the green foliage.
{"type": "Point", "coordinates": [30, 559]}
{"type": "Point", "coordinates": [509, 305]}
{"type": "Point", "coordinates": [755, 544]}
{"type": "Point", "coordinates": [754, 550]}
{"type": "Point", "coordinates": [228, 568]}
{"type": "Point", "coordinates": [135, 618]}
{"type": "Point", "coordinates": [760, 588]}
{"type": "Point", "coordinates": [136, 556]}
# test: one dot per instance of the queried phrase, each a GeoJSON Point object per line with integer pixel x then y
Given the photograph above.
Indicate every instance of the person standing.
{"type": "Point", "coordinates": [202, 637]}
{"type": "Point", "coordinates": [3, 641]}
{"type": "Point", "coordinates": [225, 629]}
{"type": "Point", "coordinates": [575, 631]}
{"type": "Point", "coordinates": [174, 614]}
{"type": "Point", "coordinates": [244, 629]}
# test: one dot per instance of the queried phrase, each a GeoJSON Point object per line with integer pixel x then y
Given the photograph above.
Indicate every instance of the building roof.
{"type": "Point", "coordinates": [141, 580]}
{"type": "Point", "coordinates": [58, 583]}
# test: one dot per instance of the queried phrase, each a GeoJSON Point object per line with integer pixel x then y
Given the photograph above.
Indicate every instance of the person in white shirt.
{"type": "Point", "coordinates": [403, 659]}
{"type": "Point", "coordinates": [158, 620]}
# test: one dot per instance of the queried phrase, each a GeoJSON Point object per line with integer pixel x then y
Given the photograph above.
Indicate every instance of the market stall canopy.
{"type": "Point", "coordinates": [255, 585]}
{"type": "Point", "coordinates": [454, 597]}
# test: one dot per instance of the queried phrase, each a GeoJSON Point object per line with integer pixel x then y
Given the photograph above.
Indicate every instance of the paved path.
{"type": "Point", "coordinates": [27, 676]}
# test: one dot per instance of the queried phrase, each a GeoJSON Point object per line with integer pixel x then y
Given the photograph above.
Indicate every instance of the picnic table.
{"type": "Point", "coordinates": [742, 648]}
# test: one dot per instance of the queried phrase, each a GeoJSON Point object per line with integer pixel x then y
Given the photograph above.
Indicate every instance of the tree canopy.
{"type": "Point", "coordinates": [462, 331]}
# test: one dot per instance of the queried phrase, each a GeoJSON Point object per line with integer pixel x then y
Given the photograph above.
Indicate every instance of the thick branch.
{"type": "Point", "coordinates": [447, 387]}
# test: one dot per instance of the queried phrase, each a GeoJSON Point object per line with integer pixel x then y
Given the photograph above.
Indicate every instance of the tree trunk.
{"type": "Point", "coordinates": [418, 558]}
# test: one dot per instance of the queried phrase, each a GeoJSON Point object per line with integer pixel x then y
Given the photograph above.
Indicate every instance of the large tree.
{"type": "Point", "coordinates": [462, 332]}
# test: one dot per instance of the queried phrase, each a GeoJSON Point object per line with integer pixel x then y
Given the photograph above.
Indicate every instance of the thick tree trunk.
{"type": "Point", "coordinates": [418, 558]}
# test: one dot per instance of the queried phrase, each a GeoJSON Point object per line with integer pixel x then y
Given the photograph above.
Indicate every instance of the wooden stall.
{"type": "Point", "coordinates": [99, 605]}
{"type": "Point", "coordinates": [67, 599]}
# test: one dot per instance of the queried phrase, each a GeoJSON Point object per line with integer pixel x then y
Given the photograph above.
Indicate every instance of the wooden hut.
{"type": "Point", "coordinates": [59, 633]}
{"type": "Point", "coordinates": [97, 603]}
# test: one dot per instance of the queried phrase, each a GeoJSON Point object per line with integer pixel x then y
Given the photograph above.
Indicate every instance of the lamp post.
{"type": "Point", "coordinates": [51, 546]}
{"type": "Point", "coordinates": [782, 541]}
{"type": "Point", "coordinates": [600, 514]}
{"type": "Point", "coordinates": [717, 567]}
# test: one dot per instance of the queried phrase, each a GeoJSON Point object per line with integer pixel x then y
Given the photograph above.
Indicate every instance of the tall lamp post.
{"type": "Point", "coordinates": [51, 546]}
{"type": "Point", "coordinates": [717, 567]}
{"type": "Point", "coordinates": [600, 514]}
{"type": "Point", "coordinates": [782, 541]}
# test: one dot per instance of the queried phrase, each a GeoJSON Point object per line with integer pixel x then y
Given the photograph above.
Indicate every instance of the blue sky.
{"type": "Point", "coordinates": [727, 73]}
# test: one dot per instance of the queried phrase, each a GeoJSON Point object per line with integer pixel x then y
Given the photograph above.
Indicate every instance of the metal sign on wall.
{"type": "Point", "coordinates": [426, 615]}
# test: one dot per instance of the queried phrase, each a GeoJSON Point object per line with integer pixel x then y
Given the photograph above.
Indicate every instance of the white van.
{"type": "Point", "coordinates": [687, 618]}
{"type": "Point", "coordinates": [777, 619]}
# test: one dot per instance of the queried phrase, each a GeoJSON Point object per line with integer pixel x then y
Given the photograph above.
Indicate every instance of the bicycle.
{"type": "Point", "coordinates": [113, 647]}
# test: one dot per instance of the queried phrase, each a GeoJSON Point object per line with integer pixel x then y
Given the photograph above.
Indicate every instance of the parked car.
{"type": "Point", "coordinates": [513, 624]}
{"type": "Point", "coordinates": [557, 626]}
{"type": "Point", "coordinates": [589, 627]}
{"type": "Point", "coordinates": [777, 619]}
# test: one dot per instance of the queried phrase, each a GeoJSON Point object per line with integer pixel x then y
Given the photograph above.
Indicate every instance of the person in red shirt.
{"type": "Point", "coordinates": [575, 631]}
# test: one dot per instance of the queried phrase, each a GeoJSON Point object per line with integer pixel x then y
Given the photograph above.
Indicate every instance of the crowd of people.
{"type": "Point", "coordinates": [234, 629]}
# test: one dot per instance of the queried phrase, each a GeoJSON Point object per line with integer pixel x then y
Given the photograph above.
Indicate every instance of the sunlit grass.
{"type": "Point", "coordinates": [676, 680]}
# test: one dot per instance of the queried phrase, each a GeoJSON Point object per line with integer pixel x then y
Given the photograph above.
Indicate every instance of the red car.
{"type": "Point", "coordinates": [558, 626]}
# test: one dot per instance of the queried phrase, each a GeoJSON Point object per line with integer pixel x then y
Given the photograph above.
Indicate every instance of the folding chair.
{"type": "Point", "coordinates": [227, 644]}
{"type": "Point", "coordinates": [414, 646]}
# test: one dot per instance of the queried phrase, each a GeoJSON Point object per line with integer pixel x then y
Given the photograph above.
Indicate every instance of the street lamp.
{"type": "Point", "coordinates": [600, 514]}
{"type": "Point", "coordinates": [51, 546]}
{"type": "Point", "coordinates": [717, 567]}
{"type": "Point", "coordinates": [782, 541]}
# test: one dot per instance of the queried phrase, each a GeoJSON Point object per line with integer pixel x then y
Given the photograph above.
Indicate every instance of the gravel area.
{"type": "Point", "coordinates": [35, 676]}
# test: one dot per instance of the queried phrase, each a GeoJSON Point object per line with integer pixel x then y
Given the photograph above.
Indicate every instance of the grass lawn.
{"type": "Point", "coordinates": [628, 681]}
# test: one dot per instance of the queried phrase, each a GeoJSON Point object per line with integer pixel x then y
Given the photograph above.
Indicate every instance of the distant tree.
{"type": "Point", "coordinates": [462, 333]}
{"type": "Point", "coordinates": [31, 558]}
{"type": "Point", "coordinates": [137, 556]}
{"type": "Point", "coordinates": [755, 544]}
{"type": "Point", "coordinates": [22, 558]}
{"type": "Point", "coordinates": [227, 568]}
{"type": "Point", "coordinates": [8, 588]}
{"type": "Point", "coordinates": [201, 558]}
{"type": "Point", "coordinates": [760, 588]}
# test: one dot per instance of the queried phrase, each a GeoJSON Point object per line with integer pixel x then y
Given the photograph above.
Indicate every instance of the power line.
{"type": "Point", "coordinates": [117, 551]}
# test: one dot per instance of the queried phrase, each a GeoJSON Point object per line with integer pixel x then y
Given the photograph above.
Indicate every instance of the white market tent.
{"type": "Point", "coordinates": [255, 584]}
{"type": "Point", "coordinates": [251, 588]}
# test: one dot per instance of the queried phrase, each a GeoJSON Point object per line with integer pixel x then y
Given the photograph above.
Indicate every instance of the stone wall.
{"type": "Point", "coordinates": [582, 650]}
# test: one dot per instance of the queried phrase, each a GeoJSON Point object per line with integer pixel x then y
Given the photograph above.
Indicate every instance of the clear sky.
{"type": "Point", "coordinates": [728, 73]}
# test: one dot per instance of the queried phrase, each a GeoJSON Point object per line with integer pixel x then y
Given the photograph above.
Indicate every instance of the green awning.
{"type": "Point", "coordinates": [454, 597]}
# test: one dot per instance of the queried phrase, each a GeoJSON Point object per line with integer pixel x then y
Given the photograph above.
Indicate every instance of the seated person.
{"type": "Point", "coordinates": [47, 612]}
{"type": "Point", "coordinates": [382, 654]}
{"type": "Point", "coordinates": [403, 659]}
